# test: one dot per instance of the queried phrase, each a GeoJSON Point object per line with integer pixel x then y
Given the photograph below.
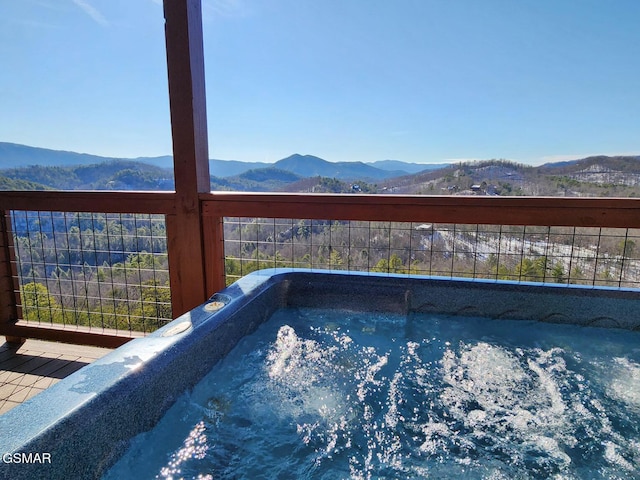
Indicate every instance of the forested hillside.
{"type": "Point", "coordinates": [594, 176]}
{"type": "Point", "coordinates": [113, 175]}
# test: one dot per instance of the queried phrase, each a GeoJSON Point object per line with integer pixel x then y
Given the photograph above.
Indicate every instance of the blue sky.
{"type": "Point", "coordinates": [348, 80]}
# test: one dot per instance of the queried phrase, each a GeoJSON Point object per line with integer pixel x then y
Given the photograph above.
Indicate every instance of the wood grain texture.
{"type": "Point", "coordinates": [9, 296]}
{"type": "Point", "coordinates": [89, 201]}
{"type": "Point", "coordinates": [187, 101]}
{"type": "Point", "coordinates": [546, 211]}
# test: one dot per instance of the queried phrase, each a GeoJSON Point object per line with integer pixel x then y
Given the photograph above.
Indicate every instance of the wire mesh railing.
{"type": "Point", "coordinates": [110, 271]}
{"type": "Point", "coordinates": [594, 256]}
{"type": "Point", "coordinates": [95, 270]}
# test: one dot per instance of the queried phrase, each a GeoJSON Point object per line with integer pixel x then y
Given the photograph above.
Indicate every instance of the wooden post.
{"type": "Point", "coordinates": [185, 67]}
{"type": "Point", "coordinates": [9, 296]}
{"type": "Point", "coordinates": [214, 254]}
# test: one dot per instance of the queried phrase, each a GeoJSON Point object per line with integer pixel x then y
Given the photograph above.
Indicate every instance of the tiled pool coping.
{"type": "Point", "coordinates": [84, 422]}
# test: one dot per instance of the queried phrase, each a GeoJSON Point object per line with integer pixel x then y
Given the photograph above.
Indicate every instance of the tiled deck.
{"type": "Point", "coordinates": [28, 369]}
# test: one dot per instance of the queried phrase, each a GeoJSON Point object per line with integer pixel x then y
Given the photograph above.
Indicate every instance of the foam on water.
{"type": "Point", "coordinates": [331, 394]}
{"type": "Point", "coordinates": [624, 382]}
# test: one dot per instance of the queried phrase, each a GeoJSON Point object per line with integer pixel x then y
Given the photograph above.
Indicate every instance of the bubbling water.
{"type": "Point", "coordinates": [329, 394]}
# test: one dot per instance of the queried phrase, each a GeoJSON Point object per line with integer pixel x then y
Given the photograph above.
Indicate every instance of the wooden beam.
{"type": "Point", "coordinates": [214, 254]}
{"type": "Point", "coordinates": [9, 296]}
{"type": "Point", "coordinates": [187, 100]}
{"type": "Point", "coordinates": [83, 201]}
{"type": "Point", "coordinates": [546, 211]}
{"type": "Point", "coordinates": [77, 335]}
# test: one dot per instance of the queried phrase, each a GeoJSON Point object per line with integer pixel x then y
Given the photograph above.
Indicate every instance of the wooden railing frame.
{"type": "Point", "coordinates": [474, 210]}
{"type": "Point", "coordinates": [214, 206]}
{"type": "Point", "coordinates": [9, 296]}
{"type": "Point", "coordinates": [76, 201]}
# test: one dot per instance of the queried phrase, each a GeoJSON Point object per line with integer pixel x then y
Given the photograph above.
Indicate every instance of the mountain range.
{"type": "Point", "coordinates": [16, 156]}
{"type": "Point", "coordinates": [29, 168]}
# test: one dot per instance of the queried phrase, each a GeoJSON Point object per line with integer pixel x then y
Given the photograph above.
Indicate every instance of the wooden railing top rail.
{"type": "Point", "coordinates": [547, 211]}
{"type": "Point", "coordinates": [89, 201]}
{"type": "Point", "coordinates": [579, 212]}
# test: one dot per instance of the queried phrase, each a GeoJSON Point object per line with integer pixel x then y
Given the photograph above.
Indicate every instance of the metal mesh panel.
{"type": "Point", "coordinates": [92, 269]}
{"type": "Point", "coordinates": [576, 255]}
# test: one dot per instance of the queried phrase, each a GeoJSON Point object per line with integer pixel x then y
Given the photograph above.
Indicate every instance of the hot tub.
{"type": "Point", "coordinates": [83, 425]}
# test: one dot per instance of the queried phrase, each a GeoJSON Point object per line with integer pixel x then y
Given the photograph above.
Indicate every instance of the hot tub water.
{"type": "Point", "coordinates": [334, 394]}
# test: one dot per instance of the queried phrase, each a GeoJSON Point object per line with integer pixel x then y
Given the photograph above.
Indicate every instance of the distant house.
{"type": "Point", "coordinates": [476, 187]}
{"type": "Point", "coordinates": [424, 226]}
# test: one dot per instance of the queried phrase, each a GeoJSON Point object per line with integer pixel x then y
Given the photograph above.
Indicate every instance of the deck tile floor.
{"type": "Point", "coordinates": [28, 369]}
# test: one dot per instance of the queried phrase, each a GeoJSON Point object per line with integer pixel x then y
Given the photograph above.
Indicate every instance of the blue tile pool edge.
{"type": "Point", "coordinates": [86, 420]}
